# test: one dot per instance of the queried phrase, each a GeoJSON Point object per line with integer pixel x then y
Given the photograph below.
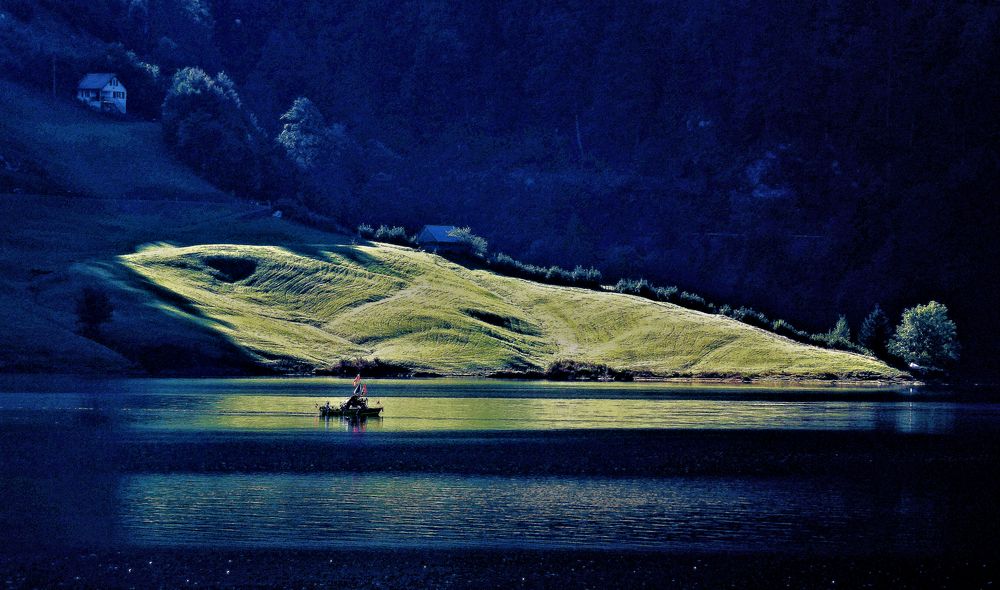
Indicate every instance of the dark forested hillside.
{"type": "Point", "coordinates": [808, 159]}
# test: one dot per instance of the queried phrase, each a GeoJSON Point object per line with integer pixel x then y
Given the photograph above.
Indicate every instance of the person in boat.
{"type": "Point", "coordinates": [356, 401]}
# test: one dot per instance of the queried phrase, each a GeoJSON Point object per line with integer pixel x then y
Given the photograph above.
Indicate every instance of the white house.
{"type": "Point", "coordinates": [102, 92]}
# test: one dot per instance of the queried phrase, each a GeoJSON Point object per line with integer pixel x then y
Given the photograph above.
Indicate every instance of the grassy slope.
{"type": "Point", "coordinates": [90, 153]}
{"type": "Point", "coordinates": [313, 297]}
{"type": "Point", "coordinates": [324, 303]}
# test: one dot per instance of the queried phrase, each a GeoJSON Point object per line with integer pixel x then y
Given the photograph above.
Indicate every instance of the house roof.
{"type": "Point", "coordinates": [94, 81]}
{"type": "Point", "coordinates": [437, 233]}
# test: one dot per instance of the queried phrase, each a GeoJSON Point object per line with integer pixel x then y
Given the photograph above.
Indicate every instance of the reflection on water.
{"type": "Point", "coordinates": [442, 405]}
{"type": "Point", "coordinates": [260, 412]}
{"type": "Point", "coordinates": [333, 510]}
{"type": "Point", "coordinates": [355, 424]}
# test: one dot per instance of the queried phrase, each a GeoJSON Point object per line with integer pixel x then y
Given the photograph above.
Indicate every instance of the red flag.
{"type": "Point", "coordinates": [357, 380]}
{"type": "Point", "coordinates": [364, 390]}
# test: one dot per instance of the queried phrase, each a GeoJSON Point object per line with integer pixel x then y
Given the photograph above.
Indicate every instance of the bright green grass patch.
{"type": "Point", "coordinates": [420, 310]}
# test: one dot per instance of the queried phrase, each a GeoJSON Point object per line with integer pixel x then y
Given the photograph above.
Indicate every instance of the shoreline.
{"type": "Point", "coordinates": [831, 382]}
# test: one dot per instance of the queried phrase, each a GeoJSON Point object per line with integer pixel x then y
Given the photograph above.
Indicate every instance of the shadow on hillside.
{"type": "Point", "coordinates": [166, 334]}
{"type": "Point", "coordinates": [350, 252]}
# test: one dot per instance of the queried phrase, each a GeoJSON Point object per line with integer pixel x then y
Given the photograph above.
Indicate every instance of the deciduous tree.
{"type": "Point", "coordinates": [926, 336]}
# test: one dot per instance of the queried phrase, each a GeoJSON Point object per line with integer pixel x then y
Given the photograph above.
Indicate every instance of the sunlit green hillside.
{"type": "Point", "coordinates": [320, 304]}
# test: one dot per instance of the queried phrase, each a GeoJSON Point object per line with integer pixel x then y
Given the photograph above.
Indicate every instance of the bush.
{"type": "Point", "coordinates": [784, 328]}
{"type": "Point", "coordinates": [693, 301]}
{"type": "Point", "coordinates": [566, 370]}
{"type": "Point", "coordinates": [366, 231]}
{"type": "Point", "coordinates": [643, 288]}
{"type": "Point", "coordinates": [586, 277]}
{"type": "Point", "coordinates": [640, 287]}
{"type": "Point", "coordinates": [93, 308]}
{"type": "Point", "coordinates": [666, 293]}
{"type": "Point", "coordinates": [508, 265]}
{"type": "Point", "coordinates": [477, 245]}
{"type": "Point", "coordinates": [374, 368]}
{"type": "Point", "coordinates": [750, 316]}
{"type": "Point", "coordinates": [926, 337]}
{"type": "Point", "coordinates": [392, 235]}
{"type": "Point", "coordinates": [838, 337]}
{"type": "Point", "coordinates": [556, 275]}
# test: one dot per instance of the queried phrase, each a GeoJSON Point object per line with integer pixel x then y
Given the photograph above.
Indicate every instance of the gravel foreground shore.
{"type": "Point", "coordinates": [414, 568]}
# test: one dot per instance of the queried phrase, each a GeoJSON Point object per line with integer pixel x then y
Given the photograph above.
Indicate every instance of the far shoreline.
{"type": "Point", "coordinates": [832, 382]}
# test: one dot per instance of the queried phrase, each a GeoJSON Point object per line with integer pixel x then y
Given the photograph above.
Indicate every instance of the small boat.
{"type": "Point", "coordinates": [365, 411]}
{"type": "Point", "coordinates": [355, 407]}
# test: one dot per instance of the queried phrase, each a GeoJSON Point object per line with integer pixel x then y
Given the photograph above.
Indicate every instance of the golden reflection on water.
{"type": "Point", "coordinates": [283, 412]}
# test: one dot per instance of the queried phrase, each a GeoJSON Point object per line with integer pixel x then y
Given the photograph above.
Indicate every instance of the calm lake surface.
{"type": "Point", "coordinates": [246, 463]}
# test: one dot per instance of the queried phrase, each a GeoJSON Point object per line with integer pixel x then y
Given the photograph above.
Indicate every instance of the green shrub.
{"type": "Point", "coordinates": [926, 337]}
{"type": "Point", "coordinates": [477, 245]}
{"type": "Point", "coordinates": [693, 301]}
{"type": "Point", "coordinates": [556, 275]}
{"type": "Point", "coordinates": [751, 316]}
{"type": "Point", "coordinates": [369, 369]}
{"type": "Point", "coordinates": [586, 277]}
{"type": "Point", "coordinates": [784, 328]}
{"type": "Point", "coordinates": [838, 337]}
{"type": "Point", "coordinates": [366, 231]}
{"type": "Point", "coordinates": [508, 265]}
{"type": "Point", "coordinates": [640, 287]}
{"type": "Point", "coordinates": [392, 235]}
{"type": "Point", "coordinates": [666, 293]}
{"type": "Point", "coordinates": [566, 370]}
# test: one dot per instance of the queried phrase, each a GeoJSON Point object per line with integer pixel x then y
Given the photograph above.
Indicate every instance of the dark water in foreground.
{"type": "Point", "coordinates": [481, 464]}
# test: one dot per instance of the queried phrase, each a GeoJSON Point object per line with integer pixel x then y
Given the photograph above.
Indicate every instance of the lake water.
{"type": "Point", "coordinates": [473, 463]}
